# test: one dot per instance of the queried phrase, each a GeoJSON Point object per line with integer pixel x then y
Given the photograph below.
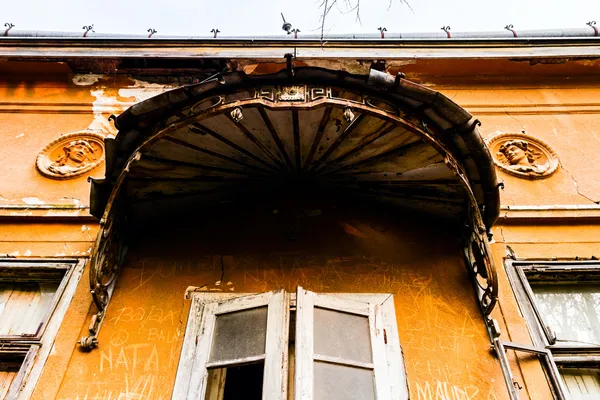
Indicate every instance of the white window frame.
{"type": "Point", "coordinates": [37, 347]}
{"type": "Point", "coordinates": [568, 354]}
{"type": "Point", "coordinates": [387, 368]}
{"type": "Point", "coordinates": [192, 373]}
{"type": "Point", "coordinates": [388, 360]}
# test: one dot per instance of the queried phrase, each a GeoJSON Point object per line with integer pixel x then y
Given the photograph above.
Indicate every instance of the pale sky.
{"type": "Point", "coordinates": [261, 17]}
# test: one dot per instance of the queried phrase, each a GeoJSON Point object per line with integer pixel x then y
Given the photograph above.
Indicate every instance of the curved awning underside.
{"type": "Point", "coordinates": [236, 135]}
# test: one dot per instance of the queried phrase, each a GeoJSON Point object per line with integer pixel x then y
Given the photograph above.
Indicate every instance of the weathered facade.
{"type": "Point", "coordinates": [444, 192]}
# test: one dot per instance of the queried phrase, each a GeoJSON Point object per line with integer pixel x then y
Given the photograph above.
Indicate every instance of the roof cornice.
{"type": "Point", "coordinates": [401, 49]}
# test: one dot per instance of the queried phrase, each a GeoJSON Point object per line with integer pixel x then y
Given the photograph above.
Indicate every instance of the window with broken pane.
{"type": "Point", "coordinates": [236, 362]}
{"type": "Point", "coordinates": [286, 346]}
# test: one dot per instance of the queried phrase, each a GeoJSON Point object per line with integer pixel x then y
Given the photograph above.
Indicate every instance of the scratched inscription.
{"type": "Point", "coordinates": [141, 339]}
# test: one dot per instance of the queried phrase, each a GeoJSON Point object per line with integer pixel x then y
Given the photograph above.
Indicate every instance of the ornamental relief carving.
{"type": "Point", "coordinates": [71, 155]}
{"type": "Point", "coordinates": [522, 155]}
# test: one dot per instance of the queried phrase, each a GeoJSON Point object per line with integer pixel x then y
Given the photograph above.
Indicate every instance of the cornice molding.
{"type": "Point", "coordinates": [392, 49]}
{"type": "Point", "coordinates": [558, 213]}
{"type": "Point", "coordinates": [45, 213]}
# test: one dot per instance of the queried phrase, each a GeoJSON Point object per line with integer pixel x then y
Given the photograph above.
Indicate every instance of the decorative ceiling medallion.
{"type": "Point", "coordinates": [71, 155]}
{"type": "Point", "coordinates": [522, 155]}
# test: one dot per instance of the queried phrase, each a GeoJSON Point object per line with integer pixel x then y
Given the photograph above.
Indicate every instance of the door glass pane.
{"type": "Point", "coordinates": [582, 383]}
{"type": "Point", "coordinates": [341, 382]}
{"type": "Point", "coordinates": [239, 334]}
{"type": "Point", "coordinates": [342, 335]}
{"type": "Point", "coordinates": [24, 306]}
{"type": "Point", "coordinates": [572, 311]}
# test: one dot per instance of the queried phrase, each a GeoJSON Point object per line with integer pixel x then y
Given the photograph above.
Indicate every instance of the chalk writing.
{"type": "Point", "coordinates": [127, 358]}
{"type": "Point", "coordinates": [141, 388]}
{"type": "Point", "coordinates": [442, 390]}
{"type": "Point", "coordinates": [119, 337]}
{"type": "Point", "coordinates": [155, 334]}
{"type": "Point", "coordinates": [139, 314]}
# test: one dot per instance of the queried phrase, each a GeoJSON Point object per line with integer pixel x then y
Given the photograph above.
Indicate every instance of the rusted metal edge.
{"type": "Point", "coordinates": [377, 41]}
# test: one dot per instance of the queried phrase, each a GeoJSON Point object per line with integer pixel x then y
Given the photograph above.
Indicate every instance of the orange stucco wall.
{"type": "Point", "coordinates": [445, 344]}
{"type": "Point", "coordinates": [440, 327]}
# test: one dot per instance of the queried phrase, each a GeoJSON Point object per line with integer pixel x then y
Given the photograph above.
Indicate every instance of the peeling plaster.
{"type": "Point", "coordinates": [142, 90]}
{"type": "Point", "coordinates": [76, 201]}
{"type": "Point", "coordinates": [113, 101]}
{"type": "Point", "coordinates": [32, 200]}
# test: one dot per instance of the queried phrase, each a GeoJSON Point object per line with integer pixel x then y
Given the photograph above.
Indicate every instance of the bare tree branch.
{"type": "Point", "coordinates": [351, 6]}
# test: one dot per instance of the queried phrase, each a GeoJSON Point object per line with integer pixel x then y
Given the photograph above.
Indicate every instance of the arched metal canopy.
{"type": "Point", "coordinates": [323, 131]}
{"type": "Point", "coordinates": [371, 136]}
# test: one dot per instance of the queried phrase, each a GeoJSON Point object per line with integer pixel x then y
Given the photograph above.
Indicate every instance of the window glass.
{"type": "Point", "coordinates": [342, 335]}
{"type": "Point", "coordinates": [268, 346]}
{"type": "Point", "coordinates": [572, 311]}
{"type": "Point", "coordinates": [25, 306]}
{"type": "Point", "coordinates": [239, 334]}
{"type": "Point", "coordinates": [342, 382]}
{"type": "Point", "coordinates": [582, 383]}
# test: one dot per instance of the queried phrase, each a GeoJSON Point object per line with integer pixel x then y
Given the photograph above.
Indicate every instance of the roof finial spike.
{"type": "Point", "coordinates": [592, 24]}
{"type": "Point", "coordinates": [9, 26]}
{"type": "Point", "coordinates": [88, 28]}
{"type": "Point", "coordinates": [152, 31]}
{"type": "Point", "coordinates": [447, 30]}
{"type": "Point", "coordinates": [286, 25]}
{"type": "Point", "coordinates": [215, 31]}
{"type": "Point", "coordinates": [382, 30]}
{"type": "Point", "coordinates": [510, 27]}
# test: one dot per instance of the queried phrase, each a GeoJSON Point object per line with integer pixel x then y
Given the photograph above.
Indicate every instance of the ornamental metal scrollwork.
{"type": "Point", "coordinates": [267, 93]}
{"type": "Point", "coordinates": [481, 269]}
{"type": "Point", "coordinates": [105, 264]}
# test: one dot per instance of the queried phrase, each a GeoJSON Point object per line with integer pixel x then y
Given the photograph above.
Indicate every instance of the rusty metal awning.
{"type": "Point", "coordinates": [377, 136]}
{"type": "Point", "coordinates": [302, 130]}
